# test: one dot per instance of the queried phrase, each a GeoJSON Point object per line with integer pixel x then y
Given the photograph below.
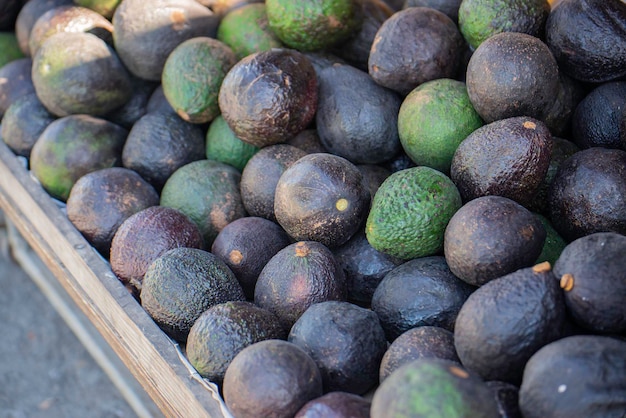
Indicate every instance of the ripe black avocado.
{"type": "Point", "coordinates": [576, 376]}
{"type": "Point", "coordinates": [516, 314]}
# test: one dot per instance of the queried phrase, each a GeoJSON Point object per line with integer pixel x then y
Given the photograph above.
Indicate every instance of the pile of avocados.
{"type": "Point", "coordinates": [347, 208]}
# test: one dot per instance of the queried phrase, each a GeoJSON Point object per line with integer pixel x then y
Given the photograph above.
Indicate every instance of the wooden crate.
{"type": "Point", "coordinates": [152, 358]}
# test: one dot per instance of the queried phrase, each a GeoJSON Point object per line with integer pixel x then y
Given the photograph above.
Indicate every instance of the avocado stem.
{"type": "Point", "coordinates": [567, 282]}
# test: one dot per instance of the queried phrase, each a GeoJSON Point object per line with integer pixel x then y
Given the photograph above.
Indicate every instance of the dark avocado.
{"type": "Point", "coordinates": [596, 121]}
{"type": "Point", "coordinates": [491, 236]}
{"type": "Point", "coordinates": [72, 146]}
{"type": "Point", "coordinates": [562, 149]}
{"type": "Point", "coordinates": [321, 197]}
{"type": "Point", "coordinates": [158, 103]}
{"type": "Point", "coordinates": [588, 193]}
{"type": "Point", "coordinates": [181, 284]}
{"type": "Point", "coordinates": [336, 405]}
{"type": "Point", "coordinates": [298, 276]}
{"type": "Point", "coordinates": [449, 7]}
{"type": "Point", "coordinates": [308, 141]}
{"type": "Point", "coordinates": [507, 320]}
{"type": "Point", "coordinates": [373, 175]}
{"type": "Point", "coordinates": [100, 201]}
{"type": "Point", "coordinates": [364, 267]}
{"type": "Point", "coordinates": [223, 330]}
{"type": "Point", "coordinates": [356, 49]}
{"type": "Point", "coordinates": [588, 38]}
{"type": "Point", "coordinates": [19, 82]}
{"type": "Point", "coordinates": [433, 388]}
{"type": "Point", "coordinates": [260, 177]}
{"type": "Point", "coordinates": [346, 341]}
{"type": "Point", "coordinates": [146, 32]}
{"type": "Point", "coordinates": [28, 15]}
{"type": "Point", "coordinates": [558, 116]}
{"type": "Point", "coordinates": [246, 245]}
{"type": "Point", "coordinates": [512, 74]}
{"type": "Point", "coordinates": [271, 378]}
{"type": "Point", "coordinates": [508, 157]}
{"type": "Point", "coordinates": [23, 122]}
{"type": "Point", "coordinates": [136, 106]}
{"type": "Point", "coordinates": [400, 162]}
{"type": "Point", "coordinates": [78, 73]}
{"type": "Point", "coordinates": [160, 143]}
{"type": "Point", "coordinates": [416, 343]}
{"type": "Point", "coordinates": [420, 292]}
{"type": "Point", "coordinates": [278, 85]}
{"type": "Point", "coordinates": [507, 397]}
{"type": "Point", "coordinates": [415, 45]}
{"type": "Point", "coordinates": [146, 235]}
{"type": "Point", "coordinates": [367, 134]}
{"type": "Point", "coordinates": [591, 273]}
{"type": "Point", "coordinates": [69, 19]}
{"type": "Point", "coordinates": [577, 376]}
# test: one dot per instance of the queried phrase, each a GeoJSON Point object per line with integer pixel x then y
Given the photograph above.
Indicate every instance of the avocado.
{"type": "Point", "coordinates": [72, 146]}
{"type": "Point", "coordinates": [159, 143]}
{"type": "Point", "coordinates": [78, 73]}
{"type": "Point", "coordinates": [181, 284]}
{"type": "Point", "coordinates": [558, 117]}
{"type": "Point", "coordinates": [308, 141]}
{"type": "Point", "coordinates": [356, 48]}
{"type": "Point", "coordinates": [416, 343]}
{"type": "Point", "coordinates": [433, 388]}
{"type": "Point", "coordinates": [415, 45]}
{"type": "Point", "coordinates": [145, 33]}
{"type": "Point", "coordinates": [517, 314]}
{"type": "Point", "coordinates": [271, 378]}
{"type": "Point", "coordinates": [246, 245]}
{"type": "Point", "coordinates": [158, 103]}
{"type": "Point", "coordinates": [364, 267]}
{"type": "Point", "coordinates": [508, 157]}
{"type": "Point", "coordinates": [591, 275]}
{"type": "Point", "coordinates": [321, 197]}
{"type": "Point", "coordinates": [192, 75]}
{"type": "Point", "coordinates": [449, 7]}
{"type": "Point", "coordinates": [588, 193]}
{"type": "Point", "coordinates": [491, 236]}
{"type": "Point", "coordinates": [562, 149]}
{"type": "Point", "coordinates": [576, 376]}
{"type": "Point", "coordinates": [364, 135]}
{"type": "Point", "coordinates": [17, 74]}
{"type": "Point", "coordinates": [507, 397]}
{"type": "Point", "coordinates": [311, 25]}
{"type": "Point", "coordinates": [410, 212]}
{"type": "Point", "coordinates": [208, 193]}
{"type": "Point", "coordinates": [246, 30]}
{"type": "Point", "coordinates": [260, 176]}
{"type": "Point", "coordinates": [223, 330]}
{"type": "Point", "coordinates": [373, 176]}
{"type": "Point", "coordinates": [163, 228]}
{"type": "Point", "coordinates": [346, 341]}
{"type": "Point", "coordinates": [512, 74]}
{"type": "Point", "coordinates": [137, 106]}
{"type": "Point", "coordinates": [101, 200]}
{"type": "Point", "coordinates": [588, 39]}
{"type": "Point", "coordinates": [420, 292]}
{"type": "Point", "coordinates": [23, 122]}
{"type": "Point", "coordinates": [69, 19]}
{"type": "Point", "coordinates": [222, 7]}
{"type": "Point", "coordinates": [223, 145]}
{"type": "Point", "coordinates": [296, 277]}
{"type": "Point", "coordinates": [596, 120]}
{"type": "Point", "coordinates": [336, 405]}
{"type": "Point", "coordinates": [9, 47]}
{"type": "Point", "coordinates": [28, 15]}
{"type": "Point", "coordinates": [278, 85]}
{"type": "Point", "coordinates": [481, 19]}
{"type": "Point", "coordinates": [104, 7]}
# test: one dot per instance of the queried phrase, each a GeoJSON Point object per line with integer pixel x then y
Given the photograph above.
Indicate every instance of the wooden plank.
{"type": "Point", "coordinates": [153, 358]}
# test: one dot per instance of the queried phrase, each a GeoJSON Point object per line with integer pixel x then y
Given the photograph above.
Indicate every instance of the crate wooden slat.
{"type": "Point", "coordinates": [151, 357]}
